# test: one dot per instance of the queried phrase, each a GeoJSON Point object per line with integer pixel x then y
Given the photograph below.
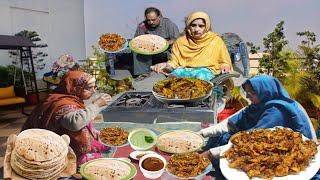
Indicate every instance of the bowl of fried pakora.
{"type": "Point", "coordinates": [182, 90]}
{"type": "Point", "coordinates": [114, 136]}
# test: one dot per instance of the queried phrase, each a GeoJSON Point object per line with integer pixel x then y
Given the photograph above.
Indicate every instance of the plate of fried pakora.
{"type": "Point", "coordinates": [114, 136]}
{"type": "Point", "coordinates": [275, 153]}
{"type": "Point", "coordinates": [112, 43]}
{"type": "Point", "coordinates": [188, 166]}
{"type": "Point", "coordinates": [182, 90]}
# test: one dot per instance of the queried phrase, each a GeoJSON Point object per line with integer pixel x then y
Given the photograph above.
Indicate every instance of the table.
{"type": "Point", "coordinates": [158, 128]}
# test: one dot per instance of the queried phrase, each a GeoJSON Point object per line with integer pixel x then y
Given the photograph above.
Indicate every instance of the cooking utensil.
{"type": "Point", "coordinates": [215, 81]}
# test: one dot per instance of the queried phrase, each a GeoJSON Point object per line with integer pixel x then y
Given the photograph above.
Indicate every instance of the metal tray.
{"type": "Point", "coordinates": [215, 81]}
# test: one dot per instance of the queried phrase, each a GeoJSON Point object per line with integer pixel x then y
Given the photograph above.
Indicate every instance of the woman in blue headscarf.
{"type": "Point", "coordinates": [270, 106]}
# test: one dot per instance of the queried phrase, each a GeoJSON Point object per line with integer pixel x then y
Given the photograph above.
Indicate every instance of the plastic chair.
{"type": "Point", "coordinates": [238, 52]}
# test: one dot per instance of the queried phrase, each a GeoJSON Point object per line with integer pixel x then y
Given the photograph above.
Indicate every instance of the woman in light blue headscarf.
{"type": "Point", "coordinates": [270, 106]}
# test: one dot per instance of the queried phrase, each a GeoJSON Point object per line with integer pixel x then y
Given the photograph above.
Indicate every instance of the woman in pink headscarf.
{"type": "Point", "coordinates": [64, 112]}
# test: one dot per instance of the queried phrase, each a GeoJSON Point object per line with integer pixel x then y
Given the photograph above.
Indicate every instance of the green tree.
{"type": "Point", "coordinates": [37, 55]}
{"type": "Point", "coordinates": [253, 48]}
{"type": "Point", "coordinates": [310, 52]}
{"type": "Point", "coordinates": [273, 63]}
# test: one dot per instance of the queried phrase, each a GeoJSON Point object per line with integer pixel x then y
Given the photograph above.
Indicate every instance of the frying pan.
{"type": "Point", "coordinates": [215, 81]}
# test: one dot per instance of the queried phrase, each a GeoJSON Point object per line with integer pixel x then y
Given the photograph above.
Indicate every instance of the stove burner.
{"type": "Point", "coordinates": [143, 107]}
{"type": "Point", "coordinates": [134, 102]}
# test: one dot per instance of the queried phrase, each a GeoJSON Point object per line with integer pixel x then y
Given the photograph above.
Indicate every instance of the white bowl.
{"type": "Point", "coordinates": [152, 174]}
{"type": "Point", "coordinates": [146, 131]}
{"type": "Point", "coordinates": [135, 154]}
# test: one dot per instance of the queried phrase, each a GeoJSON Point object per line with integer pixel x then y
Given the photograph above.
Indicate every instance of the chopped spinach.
{"type": "Point", "coordinates": [148, 139]}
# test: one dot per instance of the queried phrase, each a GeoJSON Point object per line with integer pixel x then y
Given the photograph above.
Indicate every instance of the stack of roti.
{"type": "Point", "coordinates": [39, 154]}
{"type": "Point", "coordinates": [179, 141]}
{"type": "Point", "coordinates": [148, 44]}
{"type": "Point", "coordinates": [105, 168]}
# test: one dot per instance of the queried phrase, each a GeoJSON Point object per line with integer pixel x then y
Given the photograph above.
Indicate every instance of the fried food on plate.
{"type": "Point", "coordinates": [182, 88]}
{"type": "Point", "coordinates": [111, 42]}
{"type": "Point", "coordinates": [115, 136]}
{"type": "Point", "coordinates": [266, 153]}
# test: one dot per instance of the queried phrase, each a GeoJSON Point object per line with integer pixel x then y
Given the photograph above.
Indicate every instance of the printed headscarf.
{"type": "Point", "coordinates": [67, 98]}
{"type": "Point", "coordinates": [67, 95]}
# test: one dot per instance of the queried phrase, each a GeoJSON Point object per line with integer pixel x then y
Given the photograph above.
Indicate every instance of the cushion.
{"type": "Point", "coordinates": [7, 92]}
{"type": "Point", "coordinates": [12, 100]}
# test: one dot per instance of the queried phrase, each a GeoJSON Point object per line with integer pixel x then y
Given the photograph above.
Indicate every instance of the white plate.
{"type": "Point", "coordinates": [134, 154]}
{"type": "Point", "coordinates": [232, 173]}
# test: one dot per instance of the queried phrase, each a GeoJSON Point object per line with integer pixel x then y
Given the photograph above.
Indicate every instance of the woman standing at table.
{"type": "Point", "coordinates": [64, 112]}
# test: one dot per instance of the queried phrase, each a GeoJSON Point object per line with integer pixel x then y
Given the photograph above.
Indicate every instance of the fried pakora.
{"type": "Point", "coordinates": [111, 42]}
{"type": "Point", "coordinates": [266, 153]}
{"type": "Point", "coordinates": [182, 88]}
{"type": "Point", "coordinates": [115, 136]}
{"type": "Point", "coordinates": [187, 165]}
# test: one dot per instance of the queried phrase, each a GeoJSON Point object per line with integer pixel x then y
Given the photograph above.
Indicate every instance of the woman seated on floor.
{"type": "Point", "coordinates": [198, 53]}
{"type": "Point", "coordinates": [270, 106]}
{"type": "Point", "coordinates": [64, 112]}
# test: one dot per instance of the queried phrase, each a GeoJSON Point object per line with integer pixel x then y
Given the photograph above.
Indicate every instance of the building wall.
{"type": "Point", "coordinates": [254, 62]}
{"type": "Point", "coordinates": [59, 23]}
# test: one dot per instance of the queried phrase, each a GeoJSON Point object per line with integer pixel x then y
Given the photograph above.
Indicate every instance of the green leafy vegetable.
{"type": "Point", "coordinates": [148, 139]}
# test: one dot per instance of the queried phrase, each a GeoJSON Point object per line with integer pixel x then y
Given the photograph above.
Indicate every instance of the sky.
{"type": "Point", "coordinates": [251, 19]}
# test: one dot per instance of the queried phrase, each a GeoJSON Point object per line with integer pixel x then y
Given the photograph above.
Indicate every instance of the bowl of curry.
{"type": "Point", "coordinates": [152, 165]}
{"type": "Point", "coordinates": [182, 90]}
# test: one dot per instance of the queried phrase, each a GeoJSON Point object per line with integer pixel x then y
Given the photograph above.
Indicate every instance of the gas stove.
{"type": "Point", "coordinates": [143, 107]}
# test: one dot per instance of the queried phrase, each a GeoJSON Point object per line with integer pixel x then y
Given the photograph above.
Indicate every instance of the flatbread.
{"type": "Point", "coordinates": [106, 169]}
{"type": "Point", "coordinates": [39, 154]}
{"type": "Point", "coordinates": [43, 173]}
{"type": "Point", "coordinates": [10, 173]}
{"type": "Point", "coordinates": [148, 43]}
{"type": "Point", "coordinates": [40, 145]}
{"type": "Point", "coordinates": [179, 141]}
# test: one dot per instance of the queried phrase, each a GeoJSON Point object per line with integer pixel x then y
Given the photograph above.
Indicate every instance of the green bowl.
{"type": "Point", "coordinates": [134, 139]}
{"type": "Point", "coordinates": [133, 171]}
{"type": "Point", "coordinates": [145, 53]}
{"type": "Point", "coordinates": [163, 149]}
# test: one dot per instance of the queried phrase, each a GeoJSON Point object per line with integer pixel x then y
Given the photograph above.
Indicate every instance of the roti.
{"type": "Point", "coordinates": [148, 44]}
{"type": "Point", "coordinates": [39, 154]}
{"type": "Point", "coordinates": [106, 169]}
{"type": "Point", "coordinates": [179, 142]}
{"type": "Point", "coordinates": [40, 145]}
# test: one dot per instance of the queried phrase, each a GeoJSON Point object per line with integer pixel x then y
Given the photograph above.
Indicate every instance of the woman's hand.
{"type": "Point", "coordinates": [225, 69]}
{"type": "Point", "coordinates": [163, 68]}
{"type": "Point", "coordinates": [171, 41]}
{"type": "Point", "coordinates": [200, 133]}
{"type": "Point", "coordinates": [208, 155]}
{"type": "Point", "coordinates": [102, 100]}
{"type": "Point", "coordinates": [95, 133]}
